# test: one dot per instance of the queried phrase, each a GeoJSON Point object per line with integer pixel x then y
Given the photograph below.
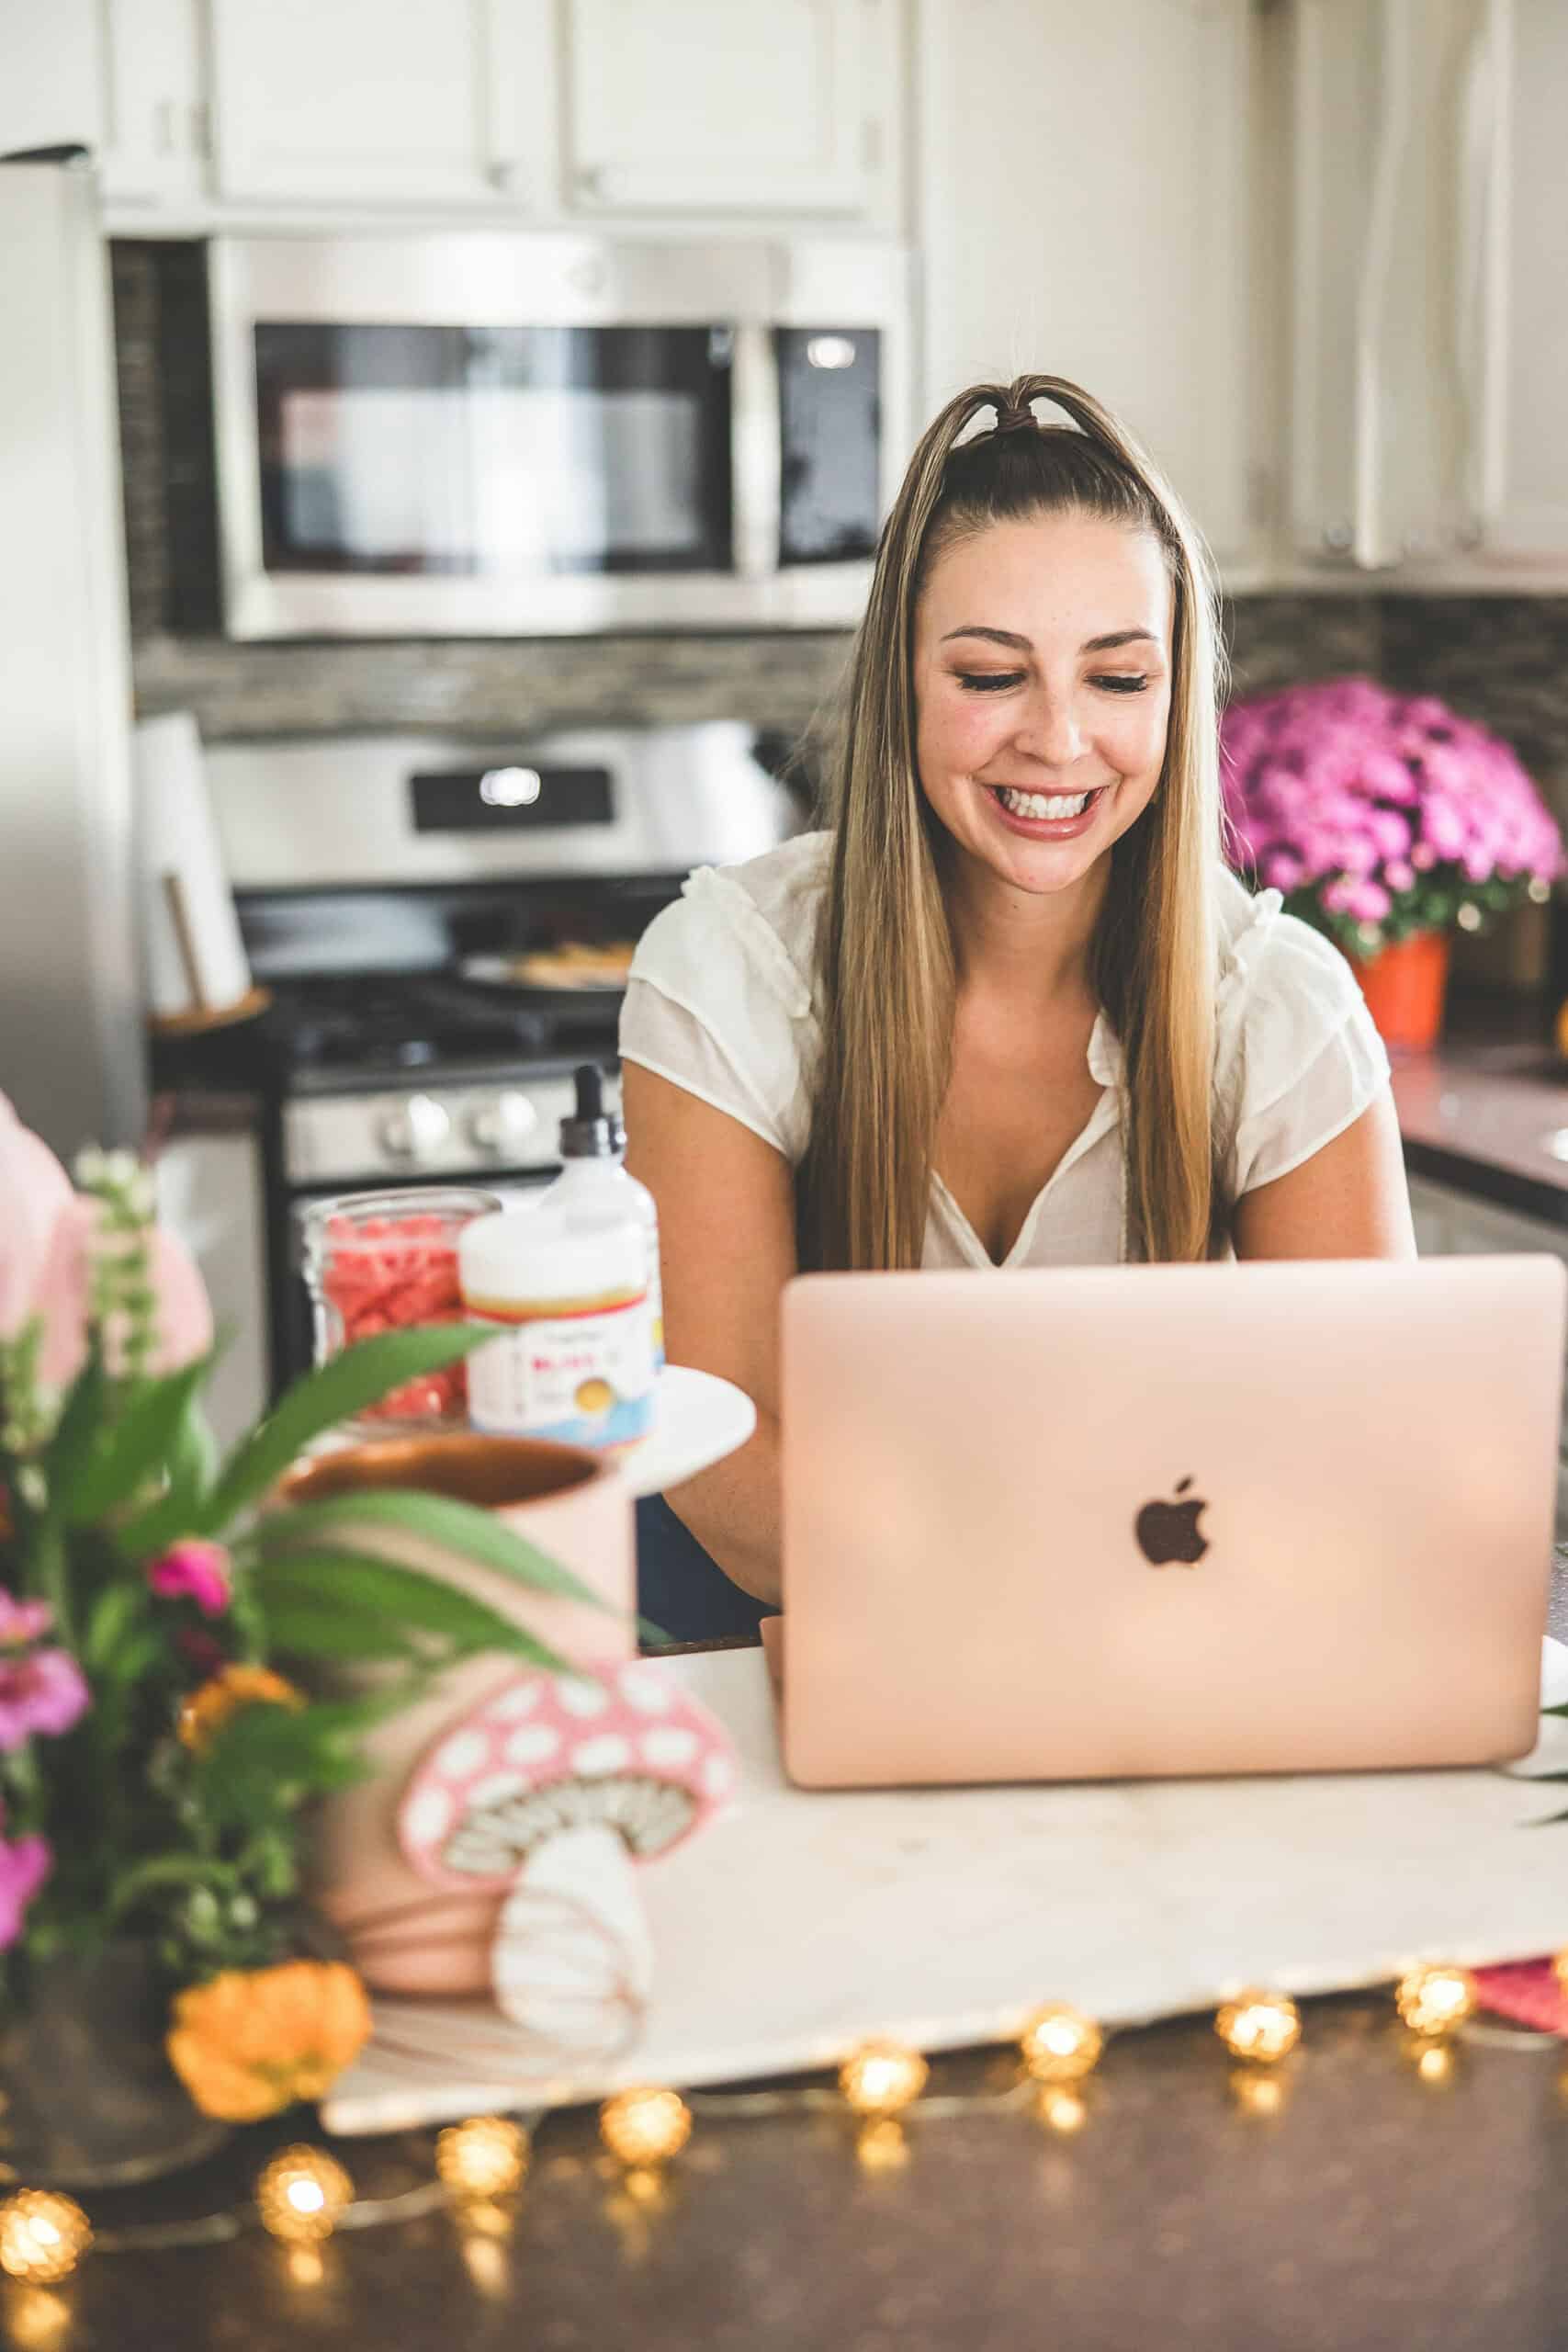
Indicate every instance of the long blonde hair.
{"type": "Point", "coordinates": [885, 958]}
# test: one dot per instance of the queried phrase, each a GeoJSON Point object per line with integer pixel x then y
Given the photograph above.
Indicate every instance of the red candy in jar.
{"type": "Point", "coordinates": [382, 1262]}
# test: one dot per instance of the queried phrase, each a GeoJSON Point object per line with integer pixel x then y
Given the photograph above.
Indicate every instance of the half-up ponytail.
{"type": "Point", "coordinates": [887, 975]}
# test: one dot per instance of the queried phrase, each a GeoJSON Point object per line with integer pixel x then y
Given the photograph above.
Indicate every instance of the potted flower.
{"type": "Point", "coordinates": [1388, 822]}
{"type": "Point", "coordinates": [160, 1976]}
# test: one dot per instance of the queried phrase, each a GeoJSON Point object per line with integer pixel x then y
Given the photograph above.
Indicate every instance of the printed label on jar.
{"type": "Point", "coordinates": [585, 1378]}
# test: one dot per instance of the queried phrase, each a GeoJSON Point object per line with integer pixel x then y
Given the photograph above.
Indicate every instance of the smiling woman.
{"type": "Point", "coordinates": [1010, 1008]}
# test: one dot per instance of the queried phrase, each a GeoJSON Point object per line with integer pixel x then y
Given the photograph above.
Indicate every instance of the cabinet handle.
{"type": "Point", "coordinates": [591, 181]}
{"type": "Point", "coordinates": [506, 175]}
{"type": "Point", "coordinates": [163, 126]}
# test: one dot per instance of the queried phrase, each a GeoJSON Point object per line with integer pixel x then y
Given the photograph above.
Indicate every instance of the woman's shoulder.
{"type": "Point", "coordinates": [1287, 1001]}
{"type": "Point", "coordinates": [761, 915]}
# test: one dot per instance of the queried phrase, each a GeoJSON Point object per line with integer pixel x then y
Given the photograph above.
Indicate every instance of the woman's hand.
{"type": "Point", "coordinates": [726, 1202]}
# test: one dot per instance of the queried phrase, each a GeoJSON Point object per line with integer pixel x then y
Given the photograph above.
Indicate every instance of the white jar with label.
{"type": "Point", "coordinates": [574, 1355]}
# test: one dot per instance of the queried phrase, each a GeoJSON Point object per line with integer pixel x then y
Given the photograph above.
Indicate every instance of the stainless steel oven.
{"type": "Point", "coordinates": [443, 926]}
{"type": "Point", "coordinates": [531, 435]}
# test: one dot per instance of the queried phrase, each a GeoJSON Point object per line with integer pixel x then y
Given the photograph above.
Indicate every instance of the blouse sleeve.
{"type": "Point", "coordinates": [715, 1005]}
{"type": "Point", "coordinates": [1305, 1059]}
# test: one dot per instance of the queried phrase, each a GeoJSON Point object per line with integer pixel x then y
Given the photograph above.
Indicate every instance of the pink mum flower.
{"type": "Point", "coordinates": [22, 1621]}
{"type": "Point", "coordinates": [42, 1690]}
{"type": "Point", "coordinates": [194, 1570]}
{"type": "Point", "coordinates": [24, 1866]}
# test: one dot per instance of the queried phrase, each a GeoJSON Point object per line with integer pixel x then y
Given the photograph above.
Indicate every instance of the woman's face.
{"type": "Point", "coordinates": [1041, 692]}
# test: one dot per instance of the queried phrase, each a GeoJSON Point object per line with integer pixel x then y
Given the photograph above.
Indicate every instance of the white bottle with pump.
{"type": "Point", "coordinates": [594, 1189]}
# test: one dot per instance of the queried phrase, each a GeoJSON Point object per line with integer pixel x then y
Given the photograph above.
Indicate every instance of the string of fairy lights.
{"type": "Point", "coordinates": [303, 2195]}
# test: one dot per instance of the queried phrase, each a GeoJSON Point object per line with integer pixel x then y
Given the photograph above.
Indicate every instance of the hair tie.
{"type": "Point", "coordinates": [1013, 420]}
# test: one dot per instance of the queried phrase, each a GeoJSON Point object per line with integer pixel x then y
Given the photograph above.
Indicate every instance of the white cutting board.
{"type": "Point", "coordinates": [802, 1922]}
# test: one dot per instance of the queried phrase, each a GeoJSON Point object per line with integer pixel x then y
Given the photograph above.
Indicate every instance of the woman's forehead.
{"type": "Point", "coordinates": [1047, 575]}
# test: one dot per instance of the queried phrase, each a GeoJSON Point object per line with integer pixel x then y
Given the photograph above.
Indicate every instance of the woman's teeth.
{"type": "Point", "coordinates": [1035, 804]}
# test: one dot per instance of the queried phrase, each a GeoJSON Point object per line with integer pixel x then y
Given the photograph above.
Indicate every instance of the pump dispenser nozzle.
{"type": "Point", "coordinates": [591, 1133]}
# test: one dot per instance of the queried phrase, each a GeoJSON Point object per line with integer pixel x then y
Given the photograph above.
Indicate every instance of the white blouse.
{"type": "Point", "coordinates": [720, 1001]}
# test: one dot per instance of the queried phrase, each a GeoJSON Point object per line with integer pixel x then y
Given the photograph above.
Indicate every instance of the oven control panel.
{"type": "Point", "coordinates": [438, 1130]}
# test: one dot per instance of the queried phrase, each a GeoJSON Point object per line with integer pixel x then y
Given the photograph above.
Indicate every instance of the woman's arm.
{"type": "Point", "coordinates": [726, 1202]}
{"type": "Point", "coordinates": [1350, 1199]}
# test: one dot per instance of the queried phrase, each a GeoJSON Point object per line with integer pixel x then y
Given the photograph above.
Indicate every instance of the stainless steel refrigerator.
{"type": "Point", "coordinates": [72, 1035]}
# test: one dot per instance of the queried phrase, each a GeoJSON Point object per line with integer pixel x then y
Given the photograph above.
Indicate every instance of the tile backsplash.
{"type": "Point", "coordinates": [1503, 660]}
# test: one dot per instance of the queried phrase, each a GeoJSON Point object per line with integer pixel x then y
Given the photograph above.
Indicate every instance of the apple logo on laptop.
{"type": "Point", "coordinates": [1168, 1532]}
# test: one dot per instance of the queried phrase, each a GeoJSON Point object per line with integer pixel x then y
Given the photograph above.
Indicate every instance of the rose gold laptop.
{"type": "Point", "coordinates": [1159, 1520]}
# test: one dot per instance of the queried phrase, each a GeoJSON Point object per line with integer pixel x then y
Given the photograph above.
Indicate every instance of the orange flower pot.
{"type": "Point", "coordinates": [1405, 985]}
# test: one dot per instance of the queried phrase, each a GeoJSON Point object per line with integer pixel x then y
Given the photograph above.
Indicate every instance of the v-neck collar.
{"type": "Point", "coordinates": [1104, 1058]}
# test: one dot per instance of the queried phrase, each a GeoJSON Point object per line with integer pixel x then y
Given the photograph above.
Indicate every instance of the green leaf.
{"type": "Point", "coordinates": [477, 1535]}
{"type": "Point", "coordinates": [335, 1391]}
{"type": "Point", "coordinates": [104, 1640]}
{"type": "Point", "coordinates": [305, 1625]}
{"type": "Point", "coordinates": [81, 1420]}
{"type": "Point", "coordinates": [384, 1592]}
{"type": "Point", "coordinates": [136, 1448]}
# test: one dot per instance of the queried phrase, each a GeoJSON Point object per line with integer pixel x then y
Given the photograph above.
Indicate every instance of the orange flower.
{"type": "Point", "coordinates": [207, 1709]}
{"type": "Point", "coordinates": [253, 2040]}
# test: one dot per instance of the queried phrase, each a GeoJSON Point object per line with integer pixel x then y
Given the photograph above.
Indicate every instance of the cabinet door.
{"type": "Point", "coordinates": [1379, 383]}
{"type": "Point", "coordinates": [209, 1192]}
{"type": "Point", "coordinates": [1520, 217]}
{"type": "Point", "coordinates": [676, 105]}
{"type": "Point", "coordinates": [1084, 187]}
{"type": "Point", "coordinates": [155, 117]}
{"type": "Point", "coordinates": [356, 100]}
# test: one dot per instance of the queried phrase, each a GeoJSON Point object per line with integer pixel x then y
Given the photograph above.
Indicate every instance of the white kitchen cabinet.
{"type": "Point", "coordinates": [121, 77]}
{"type": "Point", "coordinates": [209, 1192]}
{"type": "Point", "coordinates": [1087, 209]}
{"type": "Point", "coordinates": [1522, 453]}
{"type": "Point", "coordinates": [420, 103]}
{"type": "Point", "coordinates": [680, 106]}
{"type": "Point", "coordinates": [1429, 288]}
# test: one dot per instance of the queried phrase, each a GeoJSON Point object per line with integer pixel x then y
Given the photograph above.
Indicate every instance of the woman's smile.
{"type": "Point", "coordinates": [1046, 815]}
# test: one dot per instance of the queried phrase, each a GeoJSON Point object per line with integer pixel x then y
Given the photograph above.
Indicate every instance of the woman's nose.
{"type": "Point", "coordinates": [1050, 731]}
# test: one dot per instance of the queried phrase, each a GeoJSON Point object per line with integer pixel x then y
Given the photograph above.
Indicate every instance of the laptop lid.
{"type": "Point", "coordinates": [1095, 1522]}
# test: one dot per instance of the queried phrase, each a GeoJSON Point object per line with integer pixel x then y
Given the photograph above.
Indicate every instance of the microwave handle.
{"type": "Point", "coordinates": [756, 452]}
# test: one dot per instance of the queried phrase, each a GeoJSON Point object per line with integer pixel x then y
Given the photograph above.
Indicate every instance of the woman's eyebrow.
{"type": "Point", "coordinates": [1022, 645]}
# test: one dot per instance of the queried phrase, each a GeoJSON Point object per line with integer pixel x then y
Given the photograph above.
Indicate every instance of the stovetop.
{"type": "Point", "coordinates": [385, 1027]}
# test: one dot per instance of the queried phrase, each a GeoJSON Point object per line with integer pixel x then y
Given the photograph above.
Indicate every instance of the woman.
{"type": "Point", "coordinates": [1012, 1010]}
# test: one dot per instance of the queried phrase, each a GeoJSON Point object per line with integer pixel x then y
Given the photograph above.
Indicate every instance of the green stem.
{"type": "Point", "coordinates": [168, 1870]}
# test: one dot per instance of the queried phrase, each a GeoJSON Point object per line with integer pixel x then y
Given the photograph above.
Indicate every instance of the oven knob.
{"type": "Point", "coordinates": [416, 1129]}
{"type": "Point", "coordinates": [503, 1126]}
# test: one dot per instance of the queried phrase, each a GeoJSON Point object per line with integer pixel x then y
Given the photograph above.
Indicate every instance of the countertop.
{"type": "Point", "coordinates": [1490, 1117]}
{"type": "Point", "coordinates": [1369, 2209]}
{"type": "Point", "coordinates": [1358, 2207]}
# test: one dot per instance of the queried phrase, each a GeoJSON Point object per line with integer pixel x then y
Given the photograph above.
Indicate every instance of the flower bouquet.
{"type": "Point", "coordinates": [1381, 819]}
{"type": "Point", "coordinates": [155, 1765]}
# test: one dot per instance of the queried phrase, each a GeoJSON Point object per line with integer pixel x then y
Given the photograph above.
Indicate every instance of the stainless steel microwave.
{"type": "Point", "coordinates": [505, 434]}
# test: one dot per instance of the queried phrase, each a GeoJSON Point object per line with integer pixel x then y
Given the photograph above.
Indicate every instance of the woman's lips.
{"type": "Point", "coordinates": [1046, 829]}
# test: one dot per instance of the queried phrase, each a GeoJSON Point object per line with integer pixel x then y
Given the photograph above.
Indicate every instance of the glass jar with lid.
{"type": "Point", "coordinates": [380, 1262]}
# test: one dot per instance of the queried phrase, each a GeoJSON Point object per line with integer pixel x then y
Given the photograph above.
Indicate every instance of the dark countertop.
{"type": "Point", "coordinates": [1372, 2210]}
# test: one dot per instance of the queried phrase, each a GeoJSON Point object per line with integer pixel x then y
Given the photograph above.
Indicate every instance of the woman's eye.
{"type": "Point", "coordinates": [988, 681]}
{"type": "Point", "coordinates": [1118, 685]}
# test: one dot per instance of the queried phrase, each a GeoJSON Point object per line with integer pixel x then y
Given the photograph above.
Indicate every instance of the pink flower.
{"type": "Point", "coordinates": [1281, 870]}
{"type": "Point", "coordinates": [1399, 874]}
{"type": "Point", "coordinates": [194, 1570]}
{"type": "Point", "coordinates": [1367, 901]}
{"type": "Point", "coordinates": [25, 1863]}
{"type": "Point", "coordinates": [42, 1690]}
{"type": "Point", "coordinates": [47, 1247]}
{"type": "Point", "coordinates": [22, 1621]}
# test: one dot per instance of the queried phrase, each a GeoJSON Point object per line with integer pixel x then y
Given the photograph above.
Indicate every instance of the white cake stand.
{"type": "Point", "coordinates": [700, 1419]}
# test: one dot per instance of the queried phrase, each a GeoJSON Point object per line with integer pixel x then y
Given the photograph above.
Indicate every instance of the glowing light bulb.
{"type": "Point", "coordinates": [1261, 2026]}
{"type": "Point", "coordinates": [881, 2077]}
{"type": "Point", "coordinates": [1436, 1998]}
{"type": "Point", "coordinates": [1060, 2044]}
{"type": "Point", "coordinates": [645, 2127]}
{"type": "Point", "coordinates": [303, 2195]}
{"type": "Point", "coordinates": [486, 2156]}
{"type": "Point", "coordinates": [43, 2236]}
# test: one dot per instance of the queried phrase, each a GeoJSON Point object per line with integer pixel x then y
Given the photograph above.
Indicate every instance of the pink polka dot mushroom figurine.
{"type": "Point", "coordinates": [548, 1793]}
